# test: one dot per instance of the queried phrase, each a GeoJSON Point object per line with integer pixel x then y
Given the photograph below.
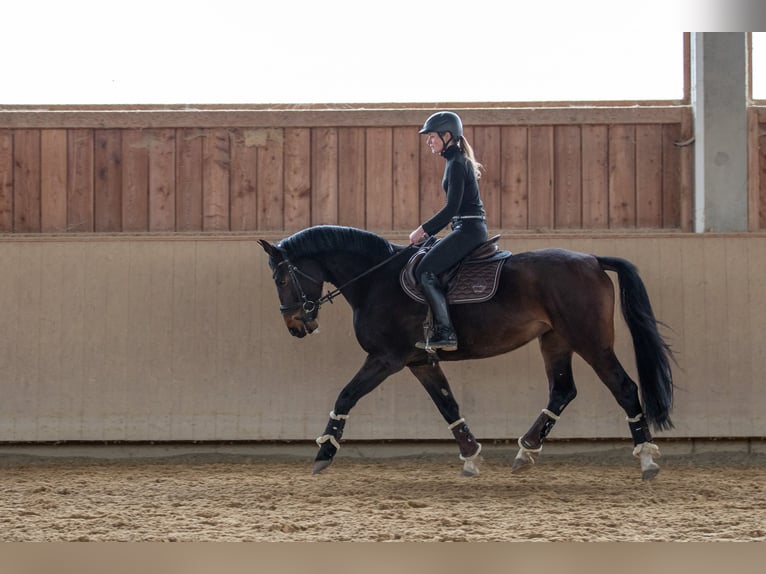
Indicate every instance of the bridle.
{"type": "Point", "coordinates": [309, 306]}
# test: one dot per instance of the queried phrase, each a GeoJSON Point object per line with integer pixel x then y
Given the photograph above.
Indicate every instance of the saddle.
{"type": "Point", "coordinates": [474, 280]}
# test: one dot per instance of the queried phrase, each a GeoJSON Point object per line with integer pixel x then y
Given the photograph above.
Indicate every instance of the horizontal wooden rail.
{"type": "Point", "coordinates": [52, 118]}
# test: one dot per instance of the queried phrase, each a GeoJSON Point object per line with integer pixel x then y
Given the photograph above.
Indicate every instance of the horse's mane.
{"type": "Point", "coordinates": [331, 238]}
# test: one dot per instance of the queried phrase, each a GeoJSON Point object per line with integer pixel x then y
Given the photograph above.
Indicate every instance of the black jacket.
{"type": "Point", "coordinates": [462, 189]}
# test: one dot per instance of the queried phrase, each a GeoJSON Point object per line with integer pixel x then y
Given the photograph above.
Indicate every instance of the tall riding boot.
{"type": "Point", "coordinates": [444, 336]}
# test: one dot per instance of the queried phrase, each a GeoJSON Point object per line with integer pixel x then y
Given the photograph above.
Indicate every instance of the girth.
{"type": "Point", "coordinates": [473, 280]}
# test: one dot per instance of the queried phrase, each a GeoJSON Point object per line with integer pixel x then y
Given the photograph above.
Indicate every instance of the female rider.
{"type": "Point", "coordinates": [463, 209]}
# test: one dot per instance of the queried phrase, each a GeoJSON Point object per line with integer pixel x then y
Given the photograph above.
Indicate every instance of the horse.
{"type": "Point", "coordinates": [563, 298]}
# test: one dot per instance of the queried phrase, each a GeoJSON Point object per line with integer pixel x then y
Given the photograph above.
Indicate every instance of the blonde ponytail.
{"type": "Point", "coordinates": [466, 147]}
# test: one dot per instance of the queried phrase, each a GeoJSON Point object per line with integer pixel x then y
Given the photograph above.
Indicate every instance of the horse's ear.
{"type": "Point", "coordinates": [269, 248]}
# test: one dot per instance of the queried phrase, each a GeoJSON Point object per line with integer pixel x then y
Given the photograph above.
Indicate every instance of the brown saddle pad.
{"type": "Point", "coordinates": [474, 280]}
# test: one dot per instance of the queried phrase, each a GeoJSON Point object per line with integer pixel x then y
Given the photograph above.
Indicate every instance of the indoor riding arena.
{"type": "Point", "coordinates": [153, 393]}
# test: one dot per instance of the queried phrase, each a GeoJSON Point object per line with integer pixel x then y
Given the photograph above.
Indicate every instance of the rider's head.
{"type": "Point", "coordinates": [442, 123]}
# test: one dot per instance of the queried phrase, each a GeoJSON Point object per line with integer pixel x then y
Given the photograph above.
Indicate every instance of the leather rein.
{"type": "Point", "coordinates": [307, 305]}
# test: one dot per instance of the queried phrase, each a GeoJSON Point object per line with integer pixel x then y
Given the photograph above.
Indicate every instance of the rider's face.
{"type": "Point", "coordinates": [434, 142]}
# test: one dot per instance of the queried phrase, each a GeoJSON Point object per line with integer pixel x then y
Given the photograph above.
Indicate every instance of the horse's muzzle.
{"type": "Point", "coordinates": [299, 325]}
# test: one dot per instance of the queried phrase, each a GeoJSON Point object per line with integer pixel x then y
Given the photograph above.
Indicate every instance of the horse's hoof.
{"type": "Point", "coordinates": [520, 465]}
{"type": "Point", "coordinates": [651, 472]}
{"type": "Point", "coordinates": [469, 469]}
{"type": "Point", "coordinates": [320, 465]}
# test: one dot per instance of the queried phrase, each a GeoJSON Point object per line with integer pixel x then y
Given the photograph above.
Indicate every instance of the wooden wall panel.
{"type": "Point", "coordinates": [406, 170]}
{"type": "Point", "coordinates": [379, 183]}
{"type": "Point", "coordinates": [189, 176]}
{"type": "Point", "coordinates": [26, 178]}
{"type": "Point", "coordinates": [135, 181]}
{"type": "Point", "coordinates": [595, 176]}
{"type": "Point", "coordinates": [162, 180]}
{"type": "Point", "coordinates": [243, 182]}
{"type": "Point", "coordinates": [432, 195]}
{"type": "Point", "coordinates": [753, 169]}
{"type": "Point", "coordinates": [324, 176]}
{"type": "Point", "coordinates": [53, 181]}
{"type": "Point", "coordinates": [622, 177]}
{"type": "Point", "coordinates": [579, 173]}
{"type": "Point", "coordinates": [514, 200]}
{"type": "Point", "coordinates": [108, 181]}
{"type": "Point", "coordinates": [488, 140]}
{"type": "Point", "coordinates": [671, 177]}
{"type": "Point", "coordinates": [649, 176]}
{"type": "Point", "coordinates": [6, 181]}
{"type": "Point", "coordinates": [352, 176]}
{"type": "Point", "coordinates": [761, 136]}
{"type": "Point", "coordinates": [80, 181]}
{"type": "Point", "coordinates": [567, 182]}
{"type": "Point", "coordinates": [541, 169]}
{"type": "Point", "coordinates": [216, 165]}
{"type": "Point", "coordinates": [270, 181]}
{"type": "Point", "coordinates": [297, 196]}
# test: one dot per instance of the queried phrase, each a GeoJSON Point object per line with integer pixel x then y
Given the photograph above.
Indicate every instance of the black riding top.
{"type": "Point", "coordinates": [462, 189]}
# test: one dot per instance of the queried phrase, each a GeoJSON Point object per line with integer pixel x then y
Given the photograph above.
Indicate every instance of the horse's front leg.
{"type": "Point", "coordinates": [374, 371]}
{"type": "Point", "coordinates": [435, 383]}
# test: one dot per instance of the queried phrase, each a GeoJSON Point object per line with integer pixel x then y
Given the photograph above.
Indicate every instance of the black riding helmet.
{"type": "Point", "coordinates": [442, 122]}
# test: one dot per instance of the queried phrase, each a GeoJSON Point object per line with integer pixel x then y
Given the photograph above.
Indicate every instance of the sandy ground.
{"type": "Point", "coordinates": [715, 497]}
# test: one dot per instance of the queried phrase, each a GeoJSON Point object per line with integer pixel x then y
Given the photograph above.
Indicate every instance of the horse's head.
{"type": "Point", "coordinates": [299, 290]}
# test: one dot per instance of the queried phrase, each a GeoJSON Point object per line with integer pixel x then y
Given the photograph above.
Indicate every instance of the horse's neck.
{"type": "Point", "coordinates": [342, 269]}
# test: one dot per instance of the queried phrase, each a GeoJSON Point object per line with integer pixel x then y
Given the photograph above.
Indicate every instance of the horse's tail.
{"type": "Point", "coordinates": [653, 354]}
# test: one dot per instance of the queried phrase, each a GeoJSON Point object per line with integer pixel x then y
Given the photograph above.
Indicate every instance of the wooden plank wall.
{"type": "Point", "coordinates": [757, 168]}
{"type": "Point", "coordinates": [591, 169]}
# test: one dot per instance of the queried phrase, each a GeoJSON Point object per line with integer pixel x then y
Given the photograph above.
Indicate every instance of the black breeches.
{"type": "Point", "coordinates": [449, 251]}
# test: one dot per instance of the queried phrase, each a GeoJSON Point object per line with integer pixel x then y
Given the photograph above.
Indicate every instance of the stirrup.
{"type": "Point", "coordinates": [443, 338]}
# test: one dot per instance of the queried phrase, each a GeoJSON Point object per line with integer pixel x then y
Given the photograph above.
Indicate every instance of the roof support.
{"type": "Point", "coordinates": [719, 98]}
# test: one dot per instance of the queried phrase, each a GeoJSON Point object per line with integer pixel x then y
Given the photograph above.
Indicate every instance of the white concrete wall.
{"type": "Point", "coordinates": [133, 339]}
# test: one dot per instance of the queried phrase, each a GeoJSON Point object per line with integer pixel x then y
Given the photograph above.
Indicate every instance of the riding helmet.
{"type": "Point", "coordinates": [441, 122]}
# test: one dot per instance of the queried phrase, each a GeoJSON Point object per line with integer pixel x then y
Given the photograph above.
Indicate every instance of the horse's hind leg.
{"type": "Point", "coordinates": [561, 388]}
{"type": "Point", "coordinates": [435, 383]}
{"type": "Point", "coordinates": [625, 391]}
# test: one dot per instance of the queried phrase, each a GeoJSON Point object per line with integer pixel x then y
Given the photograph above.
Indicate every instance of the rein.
{"type": "Point", "coordinates": [310, 306]}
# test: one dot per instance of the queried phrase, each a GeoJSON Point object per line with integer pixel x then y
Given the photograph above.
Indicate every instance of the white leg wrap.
{"type": "Point", "coordinates": [458, 422]}
{"type": "Point", "coordinates": [531, 450]}
{"type": "Point", "coordinates": [551, 414]}
{"type": "Point", "coordinates": [526, 455]}
{"type": "Point", "coordinates": [646, 449]}
{"type": "Point", "coordinates": [325, 437]}
{"type": "Point", "coordinates": [473, 456]}
{"type": "Point", "coordinates": [335, 417]}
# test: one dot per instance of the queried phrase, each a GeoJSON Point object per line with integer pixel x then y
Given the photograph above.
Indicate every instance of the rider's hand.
{"type": "Point", "coordinates": [418, 235]}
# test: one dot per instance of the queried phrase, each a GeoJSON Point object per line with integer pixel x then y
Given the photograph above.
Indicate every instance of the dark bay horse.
{"type": "Point", "coordinates": [562, 298]}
